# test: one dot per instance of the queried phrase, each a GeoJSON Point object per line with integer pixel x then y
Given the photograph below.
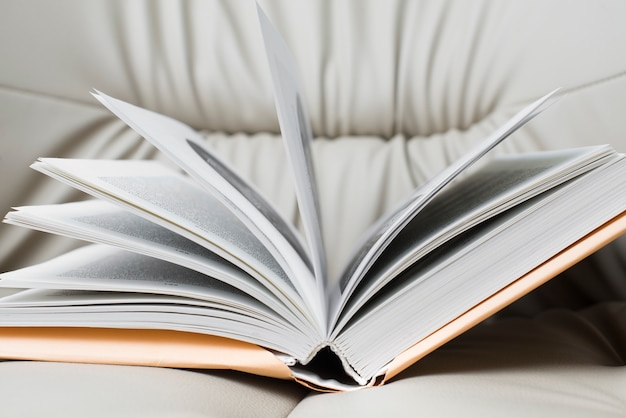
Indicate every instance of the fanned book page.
{"type": "Point", "coordinates": [200, 270]}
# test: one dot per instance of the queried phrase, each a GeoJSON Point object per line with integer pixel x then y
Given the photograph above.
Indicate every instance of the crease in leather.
{"type": "Point", "coordinates": [51, 97]}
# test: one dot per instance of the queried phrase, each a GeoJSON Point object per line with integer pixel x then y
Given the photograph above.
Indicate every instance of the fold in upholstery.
{"type": "Point", "coordinates": [59, 390]}
{"type": "Point", "coordinates": [368, 67]}
{"type": "Point", "coordinates": [34, 126]}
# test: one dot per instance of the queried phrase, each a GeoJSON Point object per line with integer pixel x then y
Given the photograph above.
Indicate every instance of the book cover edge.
{"type": "Point", "coordinates": [139, 347]}
{"type": "Point", "coordinates": [576, 252]}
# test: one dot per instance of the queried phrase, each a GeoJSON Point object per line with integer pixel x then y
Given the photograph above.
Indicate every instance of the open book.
{"type": "Point", "coordinates": [200, 270]}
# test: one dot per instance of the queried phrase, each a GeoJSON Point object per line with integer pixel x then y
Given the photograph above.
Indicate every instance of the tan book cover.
{"type": "Point", "coordinates": [139, 347]}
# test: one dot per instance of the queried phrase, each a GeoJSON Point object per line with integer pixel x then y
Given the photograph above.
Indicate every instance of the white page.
{"type": "Point", "coordinates": [188, 150]}
{"type": "Point", "coordinates": [62, 308]}
{"type": "Point", "coordinates": [161, 195]}
{"type": "Point", "coordinates": [36, 297]}
{"type": "Point", "coordinates": [102, 222]}
{"type": "Point", "coordinates": [77, 301]}
{"type": "Point", "coordinates": [104, 268]}
{"type": "Point", "coordinates": [485, 260]}
{"type": "Point", "coordinates": [222, 324]}
{"type": "Point", "coordinates": [386, 229]}
{"type": "Point", "coordinates": [496, 187]}
{"type": "Point", "coordinates": [297, 136]}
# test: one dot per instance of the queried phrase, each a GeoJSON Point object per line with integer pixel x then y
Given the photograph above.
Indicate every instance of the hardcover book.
{"type": "Point", "coordinates": [195, 268]}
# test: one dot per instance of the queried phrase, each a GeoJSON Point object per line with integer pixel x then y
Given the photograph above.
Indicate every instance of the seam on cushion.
{"type": "Point", "coordinates": [595, 82]}
{"type": "Point", "coordinates": [566, 90]}
{"type": "Point", "coordinates": [600, 81]}
{"type": "Point", "coordinates": [48, 96]}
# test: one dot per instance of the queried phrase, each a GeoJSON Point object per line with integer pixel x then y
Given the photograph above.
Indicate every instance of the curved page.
{"type": "Point", "coordinates": [186, 148]}
{"type": "Point", "coordinates": [168, 198]}
{"type": "Point", "coordinates": [296, 131]}
{"type": "Point", "coordinates": [103, 222]}
{"type": "Point", "coordinates": [387, 228]}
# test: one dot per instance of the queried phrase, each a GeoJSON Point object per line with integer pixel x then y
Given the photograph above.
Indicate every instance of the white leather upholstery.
{"type": "Point", "coordinates": [396, 90]}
